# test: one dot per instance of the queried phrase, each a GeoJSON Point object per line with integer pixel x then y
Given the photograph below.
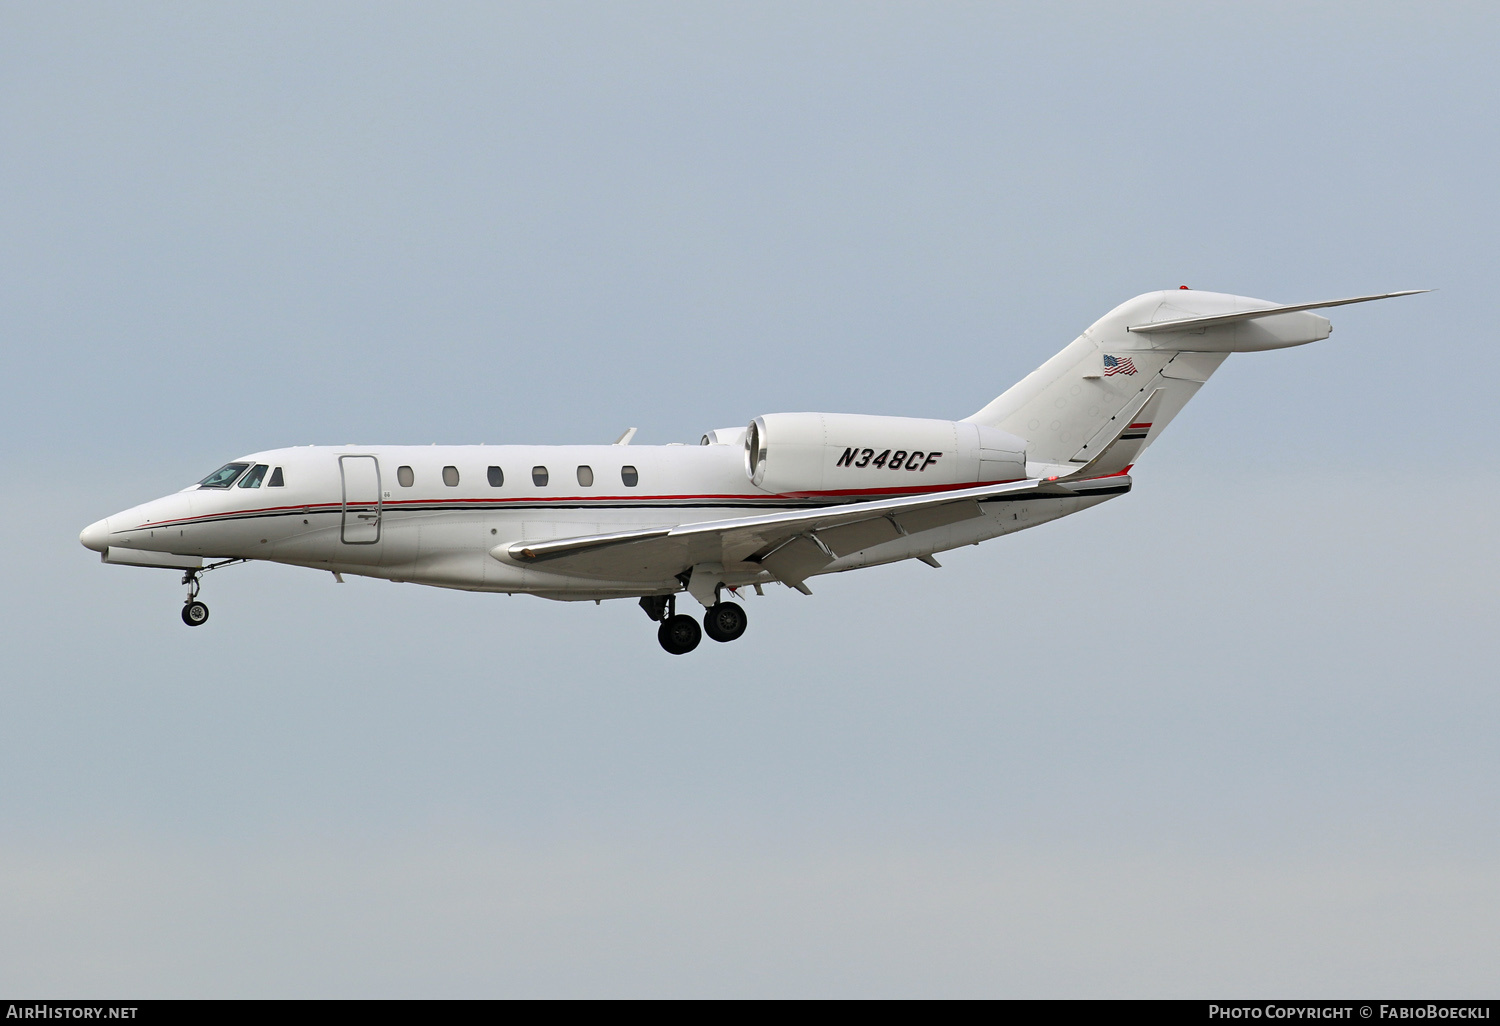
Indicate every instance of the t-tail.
{"type": "Point", "coordinates": [1092, 409]}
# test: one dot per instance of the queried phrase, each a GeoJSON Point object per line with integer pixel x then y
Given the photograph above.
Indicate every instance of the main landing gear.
{"type": "Point", "coordinates": [195, 613]}
{"type": "Point", "coordinates": [679, 633]}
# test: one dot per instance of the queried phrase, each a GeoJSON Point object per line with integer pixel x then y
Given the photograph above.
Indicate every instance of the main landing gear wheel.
{"type": "Point", "coordinates": [195, 614]}
{"type": "Point", "coordinates": [724, 621]}
{"type": "Point", "coordinates": [679, 634]}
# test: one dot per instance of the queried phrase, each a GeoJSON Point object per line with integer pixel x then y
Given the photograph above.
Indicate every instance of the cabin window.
{"type": "Point", "coordinates": [629, 477]}
{"type": "Point", "coordinates": [497, 477]}
{"type": "Point", "coordinates": [539, 476]}
{"type": "Point", "coordinates": [224, 476]}
{"type": "Point", "coordinates": [255, 477]}
{"type": "Point", "coordinates": [277, 481]}
{"type": "Point", "coordinates": [404, 477]}
{"type": "Point", "coordinates": [585, 477]}
{"type": "Point", "coordinates": [450, 477]}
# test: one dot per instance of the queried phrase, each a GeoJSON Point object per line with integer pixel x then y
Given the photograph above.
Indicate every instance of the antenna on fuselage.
{"type": "Point", "coordinates": [626, 437]}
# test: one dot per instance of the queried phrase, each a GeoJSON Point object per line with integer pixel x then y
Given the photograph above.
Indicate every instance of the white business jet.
{"type": "Point", "coordinates": [789, 497]}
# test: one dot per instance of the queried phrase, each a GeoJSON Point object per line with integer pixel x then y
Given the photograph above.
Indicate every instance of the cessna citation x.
{"type": "Point", "coordinates": [789, 497]}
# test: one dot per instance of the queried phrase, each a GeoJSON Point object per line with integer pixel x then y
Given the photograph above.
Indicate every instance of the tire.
{"type": "Point", "coordinates": [679, 634]}
{"type": "Point", "coordinates": [724, 621]}
{"type": "Point", "coordinates": [195, 614]}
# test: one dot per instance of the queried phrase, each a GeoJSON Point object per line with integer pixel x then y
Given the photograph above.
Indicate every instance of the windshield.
{"type": "Point", "coordinates": [224, 476]}
{"type": "Point", "coordinates": [254, 478]}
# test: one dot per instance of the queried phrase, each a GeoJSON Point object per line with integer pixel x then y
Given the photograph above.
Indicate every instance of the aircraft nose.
{"type": "Point", "coordinates": [96, 535]}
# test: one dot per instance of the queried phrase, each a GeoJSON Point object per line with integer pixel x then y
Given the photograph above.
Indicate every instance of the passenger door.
{"type": "Point", "coordinates": [362, 507]}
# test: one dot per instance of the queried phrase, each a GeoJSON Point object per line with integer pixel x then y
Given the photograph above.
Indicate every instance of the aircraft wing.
{"type": "Point", "coordinates": [792, 546]}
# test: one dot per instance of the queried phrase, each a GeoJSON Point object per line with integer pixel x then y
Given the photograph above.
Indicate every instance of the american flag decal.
{"type": "Point", "coordinates": [1117, 365]}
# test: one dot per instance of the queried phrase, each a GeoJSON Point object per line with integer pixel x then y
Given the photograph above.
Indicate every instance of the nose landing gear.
{"type": "Point", "coordinates": [195, 613]}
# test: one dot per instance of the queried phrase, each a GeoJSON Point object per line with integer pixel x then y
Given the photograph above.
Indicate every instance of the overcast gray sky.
{"type": "Point", "coordinates": [1232, 734]}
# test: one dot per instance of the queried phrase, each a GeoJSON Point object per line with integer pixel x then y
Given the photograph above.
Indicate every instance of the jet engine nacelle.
{"type": "Point", "coordinates": [812, 453]}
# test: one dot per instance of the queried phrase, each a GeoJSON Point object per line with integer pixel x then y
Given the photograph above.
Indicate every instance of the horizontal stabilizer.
{"type": "Point", "coordinates": [1195, 323]}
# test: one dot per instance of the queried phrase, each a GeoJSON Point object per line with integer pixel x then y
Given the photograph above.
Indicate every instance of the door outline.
{"type": "Point", "coordinates": [357, 518]}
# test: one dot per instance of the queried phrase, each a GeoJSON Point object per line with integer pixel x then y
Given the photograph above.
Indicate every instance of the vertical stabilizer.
{"type": "Point", "coordinates": [1076, 409]}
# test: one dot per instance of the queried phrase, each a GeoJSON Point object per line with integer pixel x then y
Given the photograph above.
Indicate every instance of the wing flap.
{"type": "Point", "coordinates": [795, 561]}
{"type": "Point", "coordinates": [927, 518]}
{"type": "Point", "coordinates": [863, 534]}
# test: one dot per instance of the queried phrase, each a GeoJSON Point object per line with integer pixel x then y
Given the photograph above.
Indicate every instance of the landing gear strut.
{"type": "Point", "coordinates": [195, 613]}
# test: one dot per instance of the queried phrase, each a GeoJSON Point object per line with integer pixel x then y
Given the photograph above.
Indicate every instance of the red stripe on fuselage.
{"type": "Point", "coordinates": [769, 500]}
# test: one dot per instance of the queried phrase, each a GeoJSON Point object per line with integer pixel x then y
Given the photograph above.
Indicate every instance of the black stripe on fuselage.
{"type": "Point", "coordinates": [470, 506]}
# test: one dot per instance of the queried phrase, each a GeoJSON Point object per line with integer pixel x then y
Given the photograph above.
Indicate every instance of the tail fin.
{"type": "Point", "coordinates": [1086, 409]}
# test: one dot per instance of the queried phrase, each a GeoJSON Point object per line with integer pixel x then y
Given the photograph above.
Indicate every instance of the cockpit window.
{"type": "Point", "coordinates": [277, 481]}
{"type": "Point", "coordinates": [255, 477]}
{"type": "Point", "coordinates": [224, 476]}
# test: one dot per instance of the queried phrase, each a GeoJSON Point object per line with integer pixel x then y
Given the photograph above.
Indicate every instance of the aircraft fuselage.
{"type": "Point", "coordinates": [348, 509]}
